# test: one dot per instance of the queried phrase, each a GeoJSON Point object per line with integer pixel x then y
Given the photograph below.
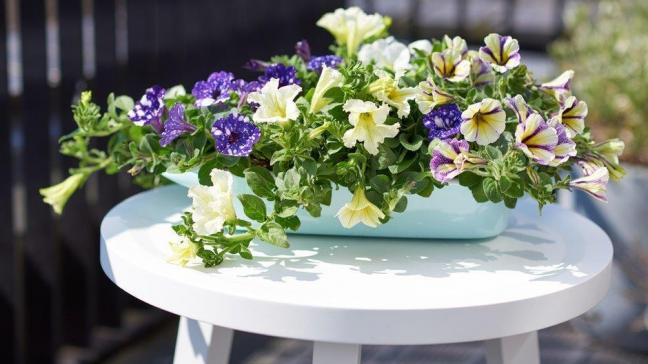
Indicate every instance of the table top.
{"type": "Point", "coordinates": [543, 270]}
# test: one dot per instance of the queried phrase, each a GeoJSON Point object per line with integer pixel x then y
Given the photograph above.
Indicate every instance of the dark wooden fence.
{"type": "Point", "coordinates": [55, 303]}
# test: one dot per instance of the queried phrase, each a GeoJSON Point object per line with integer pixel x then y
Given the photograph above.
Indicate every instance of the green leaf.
{"type": "Point", "coordinates": [516, 190]}
{"type": "Point", "coordinates": [510, 202]}
{"type": "Point", "coordinates": [244, 252]}
{"type": "Point", "coordinates": [401, 205]}
{"type": "Point", "coordinates": [491, 190]}
{"type": "Point", "coordinates": [290, 222]}
{"type": "Point", "coordinates": [203, 172]}
{"type": "Point", "coordinates": [315, 210]}
{"type": "Point", "coordinates": [492, 152]}
{"type": "Point", "coordinates": [414, 144]}
{"type": "Point", "coordinates": [380, 183]}
{"type": "Point", "coordinates": [386, 157]}
{"type": "Point", "coordinates": [478, 193]}
{"type": "Point", "coordinates": [469, 179]}
{"type": "Point", "coordinates": [261, 182]}
{"type": "Point", "coordinates": [505, 183]}
{"type": "Point", "coordinates": [253, 206]}
{"type": "Point", "coordinates": [271, 232]}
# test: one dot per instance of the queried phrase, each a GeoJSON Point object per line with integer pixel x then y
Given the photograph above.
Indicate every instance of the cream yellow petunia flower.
{"type": "Point", "coordinates": [182, 252]}
{"type": "Point", "coordinates": [276, 104]}
{"type": "Point", "coordinates": [329, 78]}
{"type": "Point", "coordinates": [368, 122]}
{"type": "Point", "coordinates": [386, 89]}
{"type": "Point", "coordinates": [483, 122]}
{"type": "Point", "coordinates": [351, 26]}
{"type": "Point", "coordinates": [360, 210]}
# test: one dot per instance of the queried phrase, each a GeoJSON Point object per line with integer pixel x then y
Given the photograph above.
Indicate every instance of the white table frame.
{"type": "Point", "coordinates": [542, 271]}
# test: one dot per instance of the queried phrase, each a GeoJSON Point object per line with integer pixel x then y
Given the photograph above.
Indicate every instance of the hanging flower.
{"type": "Point", "coordinates": [467, 161]}
{"type": "Point", "coordinates": [519, 107]}
{"type": "Point", "coordinates": [386, 54]}
{"type": "Point", "coordinates": [428, 95]}
{"type": "Point", "coordinates": [443, 121]}
{"type": "Point", "coordinates": [386, 89]}
{"type": "Point", "coordinates": [369, 126]}
{"type": "Point", "coordinates": [234, 135]}
{"type": "Point", "coordinates": [176, 126]}
{"type": "Point", "coordinates": [276, 104]}
{"type": "Point", "coordinates": [565, 148]}
{"type": "Point", "coordinates": [328, 79]}
{"type": "Point", "coordinates": [572, 115]}
{"type": "Point", "coordinates": [182, 252]}
{"type": "Point", "coordinates": [59, 194]}
{"type": "Point", "coordinates": [481, 73]}
{"type": "Point", "coordinates": [594, 184]}
{"type": "Point", "coordinates": [536, 139]}
{"type": "Point", "coordinates": [422, 45]}
{"type": "Point", "coordinates": [149, 109]}
{"type": "Point", "coordinates": [215, 90]}
{"type": "Point", "coordinates": [483, 122]}
{"type": "Point", "coordinates": [302, 49]}
{"type": "Point", "coordinates": [559, 87]}
{"type": "Point", "coordinates": [445, 153]}
{"type": "Point", "coordinates": [287, 75]}
{"type": "Point", "coordinates": [456, 44]}
{"type": "Point", "coordinates": [502, 52]}
{"type": "Point", "coordinates": [610, 149]}
{"type": "Point", "coordinates": [360, 210]}
{"type": "Point", "coordinates": [450, 65]}
{"type": "Point", "coordinates": [212, 205]}
{"type": "Point", "coordinates": [316, 64]}
{"type": "Point", "coordinates": [351, 26]}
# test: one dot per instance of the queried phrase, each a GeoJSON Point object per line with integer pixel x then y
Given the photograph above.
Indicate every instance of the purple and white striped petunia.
{"type": "Point", "coordinates": [565, 148]}
{"type": "Point", "coordinates": [572, 116]}
{"type": "Point", "coordinates": [481, 73]}
{"type": "Point", "coordinates": [316, 64]}
{"type": "Point", "coordinates": [445, 153]}
{"type": "Point", "coordinates": [559, 87]}
{"type": "Point", "coordinates": [443, 121]}
{"type": "Point", "coordinates": [502, 52]}
{"type": "Point", "coordinates": [519, 107]}
{"type": "Point", "coordinates": [235, 135]}
{"type": "Point", "coordinates": [215, 90]}
{"type": "Point", "coordinates": [175, 126]}
{"type": "Point", "coordinates": [450, 65]}
{"type": "Point", "coordinates": [287, 75]}
{"type": "Point", "coordinates": [149, 109]}
{"type": "Point", "coordinates": [536, 139]}
{"type": "Point", "coordinates": [595, 184]}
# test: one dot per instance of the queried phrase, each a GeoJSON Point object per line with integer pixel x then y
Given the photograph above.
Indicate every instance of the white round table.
{"type": "Point", "coordinates": [344, 292]}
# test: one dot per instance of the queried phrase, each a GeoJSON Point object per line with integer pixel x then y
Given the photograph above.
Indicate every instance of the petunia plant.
{"type": "Point", "coordinates": [379, 118]}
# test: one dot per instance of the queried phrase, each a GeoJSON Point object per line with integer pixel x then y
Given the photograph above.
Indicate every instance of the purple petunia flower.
{"type": "Point", "coordinates": [317, 63]}
{"type": "Point", "coordinates": [302, 49]}
{"type": "Point", "coordinates": [216, 89]}
{"type": "Point", "coordinates": [235, 135]}
{"type": "Point", "coordinates": [443, 121]}
{"type": "Point", "coordinates": [149, 109]}
{"type": "Point", "coordinates": [287, 75]}
{"type": "Point", "coordinates": [445, 154]}
{"type": "Point", "coordinates": [175, 126]}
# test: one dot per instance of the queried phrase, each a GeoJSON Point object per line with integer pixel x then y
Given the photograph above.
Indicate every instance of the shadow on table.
{"type": "Point", "coordinates": [522, 248]}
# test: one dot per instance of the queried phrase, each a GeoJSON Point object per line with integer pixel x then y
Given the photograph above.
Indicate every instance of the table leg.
{"type": "Point", "coordinates": [331, 353]}
{"type": "Point", "coordinates": [201, 343]}
{"type": "Point", "coordinates": [516, 349]}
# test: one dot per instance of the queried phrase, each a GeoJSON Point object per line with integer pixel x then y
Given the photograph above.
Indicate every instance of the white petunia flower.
{"type": "Point", "coordinates": [351, 26]}
{"type": "Point", "coordinates": [329, 78]}
{"type": "Point", "coordinates": [422, 45]}
{"type": "Point", "coordinates": [386, 54]}
{"type": "Point", "coordinates": [368, 122]}
{"type": "Point", "coordinates": [212, 205]}
{"type": "Point", "coordinates": [276, 104]}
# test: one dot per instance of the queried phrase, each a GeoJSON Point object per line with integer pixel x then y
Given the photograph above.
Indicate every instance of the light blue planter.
{"type": "Point", "coordinates": [449, 213]}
